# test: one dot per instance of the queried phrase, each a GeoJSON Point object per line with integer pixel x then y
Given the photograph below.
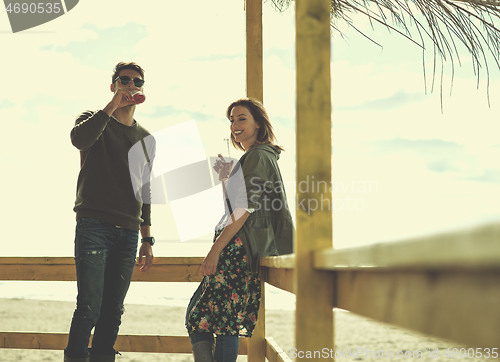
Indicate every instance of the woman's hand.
{"type": "Point", "coordinates": [209, 265]}
{"type": "Point", "coordinates": [223, 168]}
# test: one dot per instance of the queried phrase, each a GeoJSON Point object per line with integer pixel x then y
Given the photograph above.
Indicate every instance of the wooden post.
{"type": "Point", "coordinates": [255, 89]}
{"type": "Point", "coordinates": [314, 289]}
{"type": "Point", "coordinates": [257, 344]}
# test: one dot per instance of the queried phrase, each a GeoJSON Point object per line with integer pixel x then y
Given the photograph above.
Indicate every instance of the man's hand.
{"type": "Point", "coordinates": [121, 98]}
{"type": "Point", "coordinates": [146, 251]}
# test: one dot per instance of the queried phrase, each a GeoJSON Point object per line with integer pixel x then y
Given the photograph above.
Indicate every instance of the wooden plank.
{"type": "Point", "coordinates": [313, 144]}
{"type": "Point", "coordinates": [124, 343]}
{"type": "Point", "coordinates": [254, 50]}
{"type": "Point", "coordinates": [459, 306]}
{"type": "Point", "coordinates": [27, 340]}
{"type": "Point", "coordinates": [53, 260]}
{"type": "Point", "coordinates": [473, 248]}
{"type": "Point", "coordinates": [63, 269]}
{"type": "Point", "coordinates": [169, 273]}
{"type": "Point", "coordinates": [58, 272]}
{"type": "Point", "coordinates": [159, 273]}
{"type": "Point", "coordinates": [155, 344]}
{"type": "Point", "coordinates": [283, 261]}
{"type": "Point", "coordinates": [274, 353]}
{"type": "Point", "coordinates": [281, 278]}
{"type": "Point", "coordinates": [33, 260]}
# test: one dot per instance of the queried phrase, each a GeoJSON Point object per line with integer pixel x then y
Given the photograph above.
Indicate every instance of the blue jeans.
{"type": "Point", "coordinates": [104, 257]}
{"type": "Point", "coordinates": [226, 347]}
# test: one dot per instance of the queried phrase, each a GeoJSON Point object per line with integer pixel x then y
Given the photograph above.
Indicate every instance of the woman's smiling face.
{"type": "Point", "coordinates": [244, 128]}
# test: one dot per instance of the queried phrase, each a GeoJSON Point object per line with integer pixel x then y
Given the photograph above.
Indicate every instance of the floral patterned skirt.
{"type": "Point", "coordinates": [226, 303]}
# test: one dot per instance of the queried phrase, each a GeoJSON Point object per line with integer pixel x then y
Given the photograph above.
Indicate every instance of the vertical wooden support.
{"type": "Point", "coordinates": [314, 289]}
{"type": "Point", "coordinates": [257, 344]}
{"type": "Point", "coordinates": [255, 89]}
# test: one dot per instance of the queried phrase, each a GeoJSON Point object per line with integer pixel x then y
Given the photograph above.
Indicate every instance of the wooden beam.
{"type": "Point", "coordinates": [165, 269]}
{"type": "Point", "coordinates": [314, 149]}
{"type": "Point", "coordinates": [274, 353]}
{"type": "Point", "coordinates": [169, 273]}
{"type": "Point", "coordinates": [125, 343]}
{"type": "Point", "coordinates": [257, 344]}
{"type": "Point", "coordinates": [281, 278]}
{"type": "Point", "coordinates": [58, 272]}
{"type": "Point", "coordinates": [474, 248]}
{"type": "Point", "coordinates": [283, 261]}
{"type": "Point", "coordinates": [459, 306]}
{"type": "Point", "coordinates": [33, 260]}
{"type": "Point", "coordinates": [156, 344]}
{"type": "Point", "coordinates": [254, 50]}
{"type": "Point", "coordinates": [53, 260]}
{"type": "Point", "coordinates": [255, 89]}
{"type": "Point", "coordinates": [27, 340]}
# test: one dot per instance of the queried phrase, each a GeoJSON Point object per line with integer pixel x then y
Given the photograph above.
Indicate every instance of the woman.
{"type": "Point", "coordinates": [256, 223]}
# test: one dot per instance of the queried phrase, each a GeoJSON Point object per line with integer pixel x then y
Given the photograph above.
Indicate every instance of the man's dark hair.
{"type": "Point", "coordinates": [131, 65]}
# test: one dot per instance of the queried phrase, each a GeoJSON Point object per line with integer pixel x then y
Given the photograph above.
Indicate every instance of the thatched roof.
{"type": "Point", "coordinates": [443, 24]}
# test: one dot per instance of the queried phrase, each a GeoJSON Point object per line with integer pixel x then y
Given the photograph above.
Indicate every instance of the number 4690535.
{"type": "Point", "coordinates": [34, 8]}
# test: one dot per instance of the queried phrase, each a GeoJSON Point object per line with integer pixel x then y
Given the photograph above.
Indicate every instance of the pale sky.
{"type": "Point", "coordinates": [426, 170]}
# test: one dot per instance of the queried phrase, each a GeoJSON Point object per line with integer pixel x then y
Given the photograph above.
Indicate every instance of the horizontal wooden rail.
{"type": "Point", "coordinates": [274, 353]}
{"type": "Point", "coordinates": [446, 285]}
{"type": "Point", "coordinates": [165, 269]}
{"type": "Point", "coordinates": [280, 278]}
{"type": "Point", "coordinates": [461, 306]}
{"type": "Point", "coordinates": [124, 343]}
{"type": "Point", "coordinates": [278, 271]}
{"type": "Point", "coordinates": [475, 248]}
{"type": "Point", "coordinates": [278, 262]}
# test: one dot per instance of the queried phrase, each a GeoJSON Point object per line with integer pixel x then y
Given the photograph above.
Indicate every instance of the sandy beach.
{"type": "Point", "coordinates": [365, 339]}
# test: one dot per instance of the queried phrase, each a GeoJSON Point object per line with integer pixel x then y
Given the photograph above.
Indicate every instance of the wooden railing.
{"type": "Point", "coordinates": [446, 286]}
{"type": "Point", "coordinates": [166, 269]}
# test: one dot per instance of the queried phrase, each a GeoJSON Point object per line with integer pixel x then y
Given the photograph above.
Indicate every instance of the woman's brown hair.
{"type": "Point", "coordinates": [265, 134]}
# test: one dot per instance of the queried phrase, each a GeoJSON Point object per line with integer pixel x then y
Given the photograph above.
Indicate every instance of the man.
{"type": "Point", "coordinates": [109, 215]}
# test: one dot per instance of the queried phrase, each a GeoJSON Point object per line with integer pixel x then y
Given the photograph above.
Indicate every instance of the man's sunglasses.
{"type": "Point", "coordinates": [125, 79]}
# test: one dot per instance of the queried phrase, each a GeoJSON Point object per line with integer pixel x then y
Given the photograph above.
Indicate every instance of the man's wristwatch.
{"type": "Point", "coordinates": [148, 239]}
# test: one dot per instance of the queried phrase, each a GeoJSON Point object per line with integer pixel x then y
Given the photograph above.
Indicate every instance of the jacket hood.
{"type": "Point", "coordinates": [274, 150]}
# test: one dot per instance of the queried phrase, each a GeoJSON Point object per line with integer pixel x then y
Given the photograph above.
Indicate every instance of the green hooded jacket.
{"type": "Point", "coordinates": [269, 230]}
